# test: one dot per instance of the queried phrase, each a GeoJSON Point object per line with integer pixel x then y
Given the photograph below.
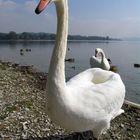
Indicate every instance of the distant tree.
{"type": "Point", "coordinates": [25, 36]}
{"type": "Point", "coordinates": [3, 36]}
{"type": "Point", "coordinates": [12, 35]}
{"type": "Point", "coordinates": [47, 36]}
{"type": "Point", "coordinates": [107, 37]}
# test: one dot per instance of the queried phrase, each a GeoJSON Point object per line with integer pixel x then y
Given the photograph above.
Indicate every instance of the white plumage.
{"type": "Point", "coordinates": [88, 101]}
{"type": "Point", "coordinates": [99, 60]}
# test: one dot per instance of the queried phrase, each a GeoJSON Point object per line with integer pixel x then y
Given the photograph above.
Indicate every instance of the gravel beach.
{"type": "Point", "coordinates": [22, 114]}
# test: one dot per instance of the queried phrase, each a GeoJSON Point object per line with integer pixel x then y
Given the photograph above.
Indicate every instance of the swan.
{"type": "Point", "coordinates": [99, 60]}
{"type": "Point", "coordinates": [89, 100]}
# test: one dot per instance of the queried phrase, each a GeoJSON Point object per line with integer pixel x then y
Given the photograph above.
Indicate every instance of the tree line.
{"type": "Point", "coordinates": [46, 36]}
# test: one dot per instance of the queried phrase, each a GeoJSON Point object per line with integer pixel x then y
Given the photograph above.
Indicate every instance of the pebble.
{"type": "Point", "coordinates": [22, 110]}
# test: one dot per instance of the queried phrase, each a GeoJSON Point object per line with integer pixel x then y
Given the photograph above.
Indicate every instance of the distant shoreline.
{"type": "Point", "coordinates": [54, 40]}
{"type": "Point", "coordinates": [48, 36]}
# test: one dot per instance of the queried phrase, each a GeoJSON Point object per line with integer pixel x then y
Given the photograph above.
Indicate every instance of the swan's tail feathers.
{"type": "Point", "coordinates": [118, 113]}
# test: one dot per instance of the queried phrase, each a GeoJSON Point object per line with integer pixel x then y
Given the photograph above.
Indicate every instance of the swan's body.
{"type": "Point", "coordinates": [89, 100]}
{"type": "Point", "coordinates": [99, 62]}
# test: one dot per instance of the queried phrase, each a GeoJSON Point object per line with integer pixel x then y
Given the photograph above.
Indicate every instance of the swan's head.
{"type": "Point", "coordinates": [41, 6]}
{"type": "Point", "coordinates": [43, 3]}
{"type": "Point", "coordinates": [98, 51]}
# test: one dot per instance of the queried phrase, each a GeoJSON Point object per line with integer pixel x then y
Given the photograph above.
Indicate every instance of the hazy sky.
{"type": "Point", "coordinates": [116, 18]}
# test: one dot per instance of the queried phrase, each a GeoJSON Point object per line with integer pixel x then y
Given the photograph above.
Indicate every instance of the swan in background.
{"type": "Point", "coordinates": [99, 60]}
{"type": "Point", "coordinates": [89, 100]}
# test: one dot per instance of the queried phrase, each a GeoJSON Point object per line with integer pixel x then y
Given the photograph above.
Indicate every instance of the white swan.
{"type": "Point", "coordinates": [99, 60]}
{"type": "Point", "coordinates": [89, 100]}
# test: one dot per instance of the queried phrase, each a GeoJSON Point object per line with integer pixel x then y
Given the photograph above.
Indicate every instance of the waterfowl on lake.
{"type": "Point", "coordinates": [28, 50]}
{"type": "Point", "coordinates": [73, 67]}
{"type": "Point", "coordinates": [137, 65]}
{"type": "Point", "coordinates": [109, 60]}
{"type": "Point", "coordinates": [89, 100]}
{"type": "Point", "coordinates": [70, 60]}
{"type": "Point", "coordinates": [21, 50]}
{"type": "Point", "coordinates": [21, 53]}
{"type": "Point", "coordinates": [113, 68]}
{"type": "Point", "coordinates": [99, 60]}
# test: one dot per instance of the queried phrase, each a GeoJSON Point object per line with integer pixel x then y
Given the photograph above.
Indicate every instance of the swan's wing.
{"type": "Point", "coordinates": [98, 92]}
{"type": "Point", "coordinates": [95, 62]}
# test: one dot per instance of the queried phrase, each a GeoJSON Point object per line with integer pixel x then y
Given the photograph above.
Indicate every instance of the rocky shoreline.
{"type": "Point", "coordinates": [22, 113]}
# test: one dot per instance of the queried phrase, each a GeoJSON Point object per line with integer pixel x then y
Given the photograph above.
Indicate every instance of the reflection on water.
{"type": "Point", "coordinates": [122, 54]}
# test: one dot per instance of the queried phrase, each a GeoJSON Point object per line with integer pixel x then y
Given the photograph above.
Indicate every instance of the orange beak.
{"type": "Point", "coordinates": [41, 6]}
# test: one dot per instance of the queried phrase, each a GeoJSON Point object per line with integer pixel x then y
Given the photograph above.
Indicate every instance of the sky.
{"type": "Point", "coordinates": [114, 18]}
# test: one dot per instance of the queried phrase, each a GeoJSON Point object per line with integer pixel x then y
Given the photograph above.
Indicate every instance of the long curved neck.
{"type": "Point", "coordinates": [57, 65]}
{"type": "Point", "coordinates": [102, 55]}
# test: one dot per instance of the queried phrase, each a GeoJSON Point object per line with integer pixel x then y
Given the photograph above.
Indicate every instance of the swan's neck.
{"type": "Point", "coordinates": [102, 55]}
{"type": "Point", "coordinates": [57, 65]}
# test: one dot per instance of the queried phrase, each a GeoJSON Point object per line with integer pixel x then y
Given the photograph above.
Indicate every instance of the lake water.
{"type": "Point", "coordinates": [123, 54]}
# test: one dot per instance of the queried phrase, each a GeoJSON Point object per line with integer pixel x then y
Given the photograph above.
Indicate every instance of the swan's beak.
{"type": "Point", "coordinates": [41, 6]}
{"type": "Point", "coordinates": [96, 53]}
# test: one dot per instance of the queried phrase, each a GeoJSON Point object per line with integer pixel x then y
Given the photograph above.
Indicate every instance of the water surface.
{"type": "Point", "coordinates": [123, 54]}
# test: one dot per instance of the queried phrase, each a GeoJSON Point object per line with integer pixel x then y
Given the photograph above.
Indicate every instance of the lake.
{"type": "Point", "coordinates": [123, 54]}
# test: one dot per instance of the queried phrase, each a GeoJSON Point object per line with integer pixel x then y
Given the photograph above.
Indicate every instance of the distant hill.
{"type": "Point", "coordinates": [46, 36]}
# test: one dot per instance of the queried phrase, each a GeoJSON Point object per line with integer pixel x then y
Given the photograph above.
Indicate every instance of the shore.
{"type": "Point", "coordinates": [22, 114]}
